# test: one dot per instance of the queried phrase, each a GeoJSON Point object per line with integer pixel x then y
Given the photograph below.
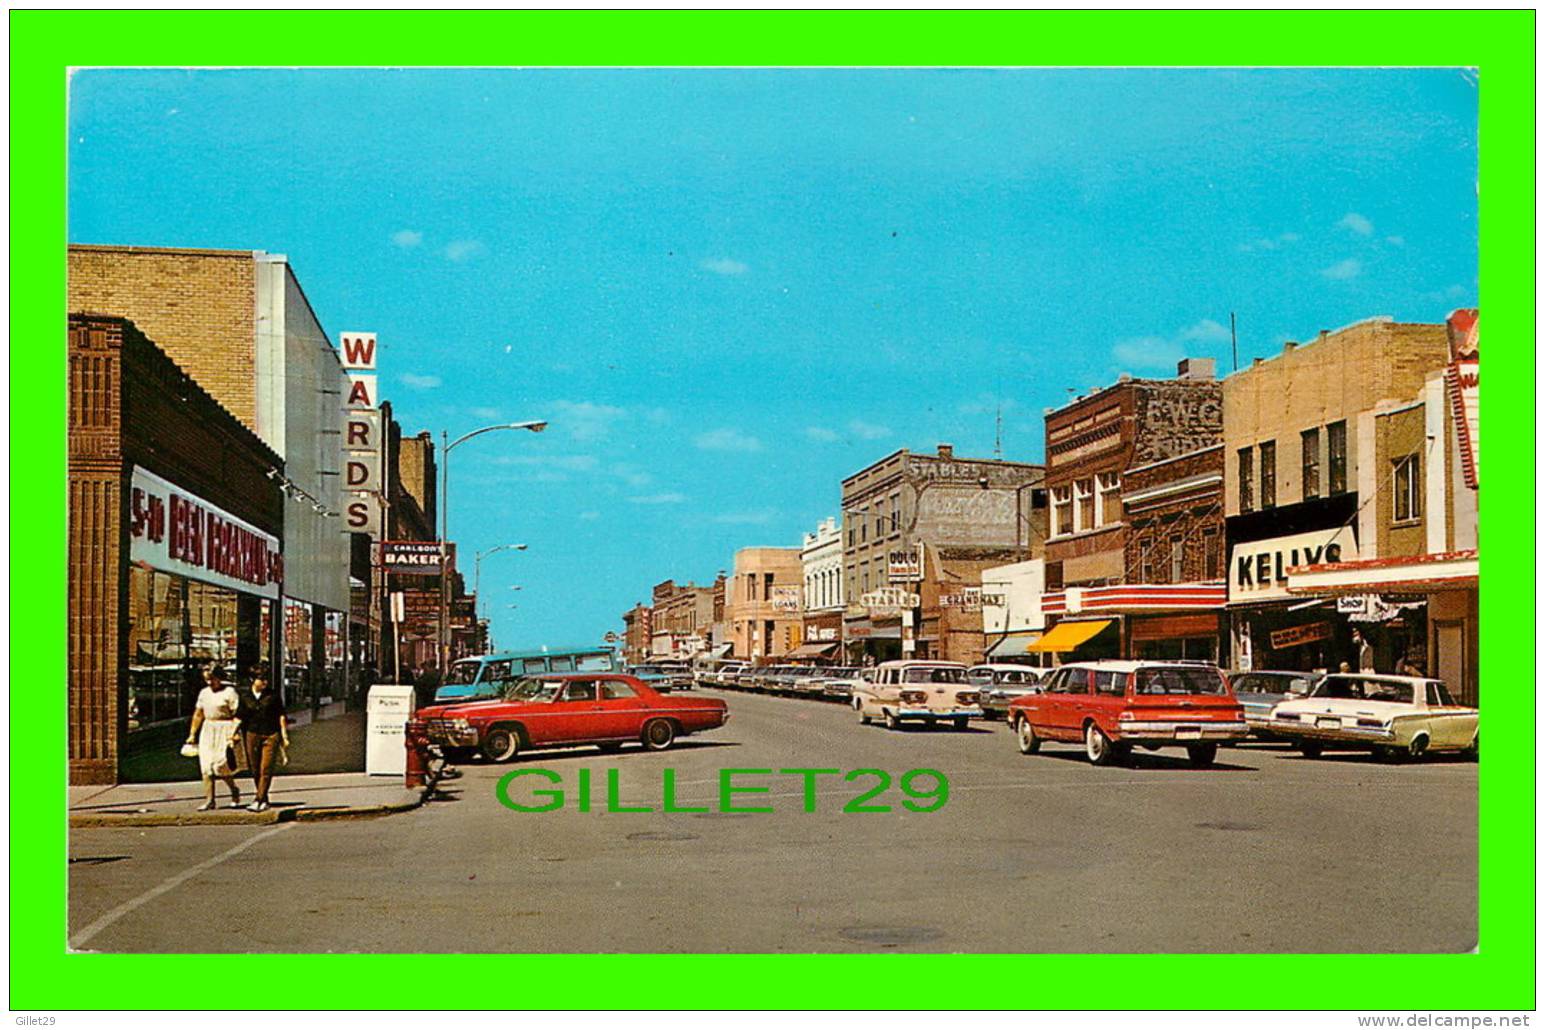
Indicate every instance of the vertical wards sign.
{"type": "Point", "coordinates": [363, 475]}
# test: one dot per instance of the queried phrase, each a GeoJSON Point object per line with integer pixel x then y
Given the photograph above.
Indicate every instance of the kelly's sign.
{"type": "Point", "coordinates": [1258, 569]}
{"type": "Point", "coordinates": [179, 532]}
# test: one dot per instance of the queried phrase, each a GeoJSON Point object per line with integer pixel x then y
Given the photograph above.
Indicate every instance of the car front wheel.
{"type": "Point", "coordinates": [962, 722]}
{"type": "Point", "coordinates": [1098, 746]}
{"type": "Point", "coordinates": [659, 734]}
{"type": "Point", "coordinates": [891, 722]}
{"type": "Point", "coordinates": [501, 744]}
{"type": "Point", "coordinates": [1029, 743]}
{"type": "Point", "coordinates": [1310, 749]}
{"type": "Point", "coordinates": [1417, 748]}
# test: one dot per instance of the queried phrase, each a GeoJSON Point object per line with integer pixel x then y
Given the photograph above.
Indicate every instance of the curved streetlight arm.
{"type": "Point", "coordinates": [534, 427]}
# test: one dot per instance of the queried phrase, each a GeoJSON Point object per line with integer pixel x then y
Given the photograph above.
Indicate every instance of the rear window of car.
{"type": "Point", "coordinates": [1179, 681]}
{"type": "Point", "coordinates": [1111, 684]}
{"type": "Point", "coordinates": [940, 675]}
{"type": "Point", "coordinates": [611, 689]}
{"type": "Point", "coordinates": [1438, 695]}
{"type": "Point", "coordinates": [1365, 690]}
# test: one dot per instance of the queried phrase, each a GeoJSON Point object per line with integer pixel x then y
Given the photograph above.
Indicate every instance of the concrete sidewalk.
{"type": "Point", "coordinates": [304, 798]}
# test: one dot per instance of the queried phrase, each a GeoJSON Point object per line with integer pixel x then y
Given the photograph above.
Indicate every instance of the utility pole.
{"type": "Point", "coordinates": [1233, 338]}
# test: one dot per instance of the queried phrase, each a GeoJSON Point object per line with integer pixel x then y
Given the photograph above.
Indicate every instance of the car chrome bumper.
{"type": "Point", "coordinates": [1288, 728]}
{"type": "Point", "coordinates": [938, 713]}
{"type": "Point", "coordinates": [450, 736]}
{"type": "Point", "coordinates": [1182, 732]}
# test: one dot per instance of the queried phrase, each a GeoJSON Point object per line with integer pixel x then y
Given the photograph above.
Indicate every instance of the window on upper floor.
{"type": "Point", "coordinates": [1083, 504]}
{"type": "Point", "coordinates": [1177, 559]}
{"type": "Point", "coordinates": [1336, 456]}
{"type": "Point", "coordinates": [1268, 474]}
{"type": "Point", "coordinates": [1408, 488]}
{"type": "Point", "coordinates": [1212, 554]}
{"type": "Point", "coordinates": [1246, 479]}
{"type": "Point", "coordinates": [1145, 562]}
{"type": "Point", "coordinates": [1062, 510]}
{"type": "Point", "coordinates": [1109, 486]}
{"type": "Point", "coordinates": [1309, 447]}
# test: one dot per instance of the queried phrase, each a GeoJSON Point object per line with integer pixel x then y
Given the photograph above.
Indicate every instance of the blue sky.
{"type": "Point", "coordinates": [729, 289]}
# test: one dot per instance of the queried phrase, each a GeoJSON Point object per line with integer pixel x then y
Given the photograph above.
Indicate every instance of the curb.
{"type": "Point", "coordinates": [238, 817]}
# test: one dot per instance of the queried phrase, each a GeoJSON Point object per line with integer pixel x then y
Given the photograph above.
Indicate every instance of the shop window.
{"type": "Point", "coordinates": [1083, 504]}
{"type": "Point", "coordinates": [297, 653]}
{"type": "Point", "coordinates": [1062, 510]}
{"type": "Point", "coordinates": [1246, 479]}
{"type": "Point", "coordinates": [1408, 488]}
{"type": "Point", "coordinates": [1109, 486]}
{"type": "Point", "coordinates": [1268, 475]}
{"type": "Point", "coordinates": [161, 688]}
{"type": "Point", "coordinates": [1177, 559]}
{"type": "Point", "coordinates": [1309, 444]}
{"type": "Point", "coordinates": [1211, 553]}
{"type": "Point", "coordinates": [1336, 456]}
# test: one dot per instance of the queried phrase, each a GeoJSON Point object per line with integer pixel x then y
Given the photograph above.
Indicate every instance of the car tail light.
{"type": "Point", "coordinates": [1126, 717]}
{"type": "Point", "coordinates": [967, 697]}
{"type": "Point", "coordinates": [1375, 723]}
{"type": "Point", "coordinates": [1288, 716]}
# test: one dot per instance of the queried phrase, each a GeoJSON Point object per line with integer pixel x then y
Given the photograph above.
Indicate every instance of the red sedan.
{"type": "Point", "coordinates": [570, 709]}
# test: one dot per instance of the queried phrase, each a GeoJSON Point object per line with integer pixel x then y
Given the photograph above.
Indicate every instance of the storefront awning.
{"type": "Point", "coordinates": [812, 650]}
{"type": "Point", "coordinates": [1455, 570]}
{"type": "Point", "coordinates": [1015, 645]}
{"type": "Point", "coordinates": [1067, 636]}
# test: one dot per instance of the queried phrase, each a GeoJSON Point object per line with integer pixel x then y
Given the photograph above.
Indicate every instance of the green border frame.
{"type": "Point", "coordinates": [43, 44]}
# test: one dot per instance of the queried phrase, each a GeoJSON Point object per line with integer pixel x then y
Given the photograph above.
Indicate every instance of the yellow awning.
{"type": "Point", "coordinates": [1065, 636]}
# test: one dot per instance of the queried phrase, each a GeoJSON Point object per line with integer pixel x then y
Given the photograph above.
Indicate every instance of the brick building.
{"type": "Point", "coordinates": [239, 324]}
{"type": "Point", "coordinates": [637, 634]}
{"type": "Point", "coordinates": [175, 523]}
{"type": "Point", "coordinates": [765, 602]}
{"type": "Point", "coordinates": [924, 527]}
{"type": "Point", "coordinates": [1103, 577]}
{"type": "Point", "coordinates": [1300, 459]}
{"type": "Point", "coordinates": [681, 621]}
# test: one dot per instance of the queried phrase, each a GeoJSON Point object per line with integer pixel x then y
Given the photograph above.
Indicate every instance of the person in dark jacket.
{"type": "Point", "coordinates": [265, 734]}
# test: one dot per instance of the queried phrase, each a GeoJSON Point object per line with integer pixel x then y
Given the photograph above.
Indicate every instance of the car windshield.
{"type": "Point", "coordinates": [1268, 683]}
{"type": "Point", "coordinates": [463, 672]}
{"type": "Point", "coordinates": [1179, 681]}
{"type": "Point", "coordinates": [1348, 688]}
{"type": "Point", "coordinates": [979, 676]}
{"type": "Point", "coordinates": [939, 674]}
{"type": "Point", "coordinates": [534, 690]}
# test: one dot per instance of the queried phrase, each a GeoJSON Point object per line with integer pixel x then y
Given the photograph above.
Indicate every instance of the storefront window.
{"type": "Point", "coordinates": [297, 654]}
{"type": "Point", "coordinates": [177, 629]}
{"type": "Point", "coordinates": [335, 640]}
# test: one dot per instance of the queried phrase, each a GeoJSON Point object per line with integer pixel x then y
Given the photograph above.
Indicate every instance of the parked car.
{"type": "Point", "coordinates": [1259, 691]}
{"type": "Point", "coordinates": [778, 679]}
{"type": "Point", "coordinates": [663, 676]}
{"type": "Point", "coordinates": [839, 683]}
{"type": "Point", "coordinates": [1110, 706]}
{"type": "Point", "coordinates": [918, 691]}
{"type": "Point", "coordinates": [725, 674]}
{"type": "Point", "coordinates": [806, 681]}
{"type": "Point", "coordinates": [577, 708]}
{"type": "Point", "coordinates": [1000, 684]}
{"type": "Point", "coordinates": [1393, 716]}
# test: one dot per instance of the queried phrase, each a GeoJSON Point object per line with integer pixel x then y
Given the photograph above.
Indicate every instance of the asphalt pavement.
{"type": "Point", "coordinates": [1266, 851]}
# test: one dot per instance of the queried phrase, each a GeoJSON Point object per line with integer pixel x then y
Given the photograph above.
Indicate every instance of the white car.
{"type": "Point", "coordinates": [918, 691]}
{"type": "Point", "coordinates": [1393, 716]}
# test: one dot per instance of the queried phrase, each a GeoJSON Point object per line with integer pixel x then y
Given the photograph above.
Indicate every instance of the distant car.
{"type": "Point", "coordinates": [1001, 683]}
{"type": "Point", "coordinates": [839, 683]}
{"type": "Point", "coordinates": [568, 709]}
{"type": "Point", "coordinates": [1258, 692]}
{"type": "Point", "coordinates": [725, 674]}
{"type": "Point", "coordinates": [1110, 706]}
{"type": "Point", "coordinates": [806, 681]}
{"type": "Point", "coordinates": [1393, 716]}
{"type": "Point", "coordinates": [918, 691]}
{"type": "Point", "coordinates": [662, 676]}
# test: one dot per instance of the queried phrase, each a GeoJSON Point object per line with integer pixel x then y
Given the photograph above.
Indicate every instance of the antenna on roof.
{"type": "Point", "coordinates": [997, 433]}
{"type": "Point", "coordinates": [1233, 340]}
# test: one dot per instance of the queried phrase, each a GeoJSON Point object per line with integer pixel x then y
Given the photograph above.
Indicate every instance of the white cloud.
{"type": "Point", "coordinates": [1269, 242]}
{"type": "Point", "coordinates": [1351, 268]}
{"type": "Point", "coordinates": [419, 382]}
{"type": "Point", "coordinates": [726, 266]}
{"type": "Point", "coordinates": [671, 498]}
{"type": "Point", "coordinates": [867, 430]}
{"type": "Point", "coordinates": [746, 518]}
{"type": "Point", "coordinates": [488, 413]}
{"type": "Point", "coordinates": [1395, 241]}
{"type": "Point", "coordinates": [586, 420]}
{"type": "Point", "coordinates": [589, 515]}
{"type": "Point", "coordinates": [820, 434]}
{"type": "Point", "coordinates": [1206, 331]}
{"type": "Point", "coordinates": [407, 239]}
{"type": "Point", "coordinates": [987, 404]}
{"type": "Point", "coordinates": [1148, 352]}
{"type": "Point", "coordinates": [727, 439]}
{"type": "Point", "coordinates": [1354, 222]}
{"type": "Point", "coordinates": [632, 476]}
{"type": "Point", "coordinates": [568, 462]}
{"type": "Point", "coordinates": [463, 250]}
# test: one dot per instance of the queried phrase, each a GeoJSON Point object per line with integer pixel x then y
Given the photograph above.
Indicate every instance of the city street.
{"type": "Point", "coordinates": [1266, 851]}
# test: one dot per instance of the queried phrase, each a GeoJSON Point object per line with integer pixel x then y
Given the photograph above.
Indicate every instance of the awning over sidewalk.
{"type": "Point", "coordinates": [1067, 636]}
{"type": "Point", "coordinates": [812, 650]}
{"type": "Point", "coordinates": [1015, 645]}
{"type": "Point", "coordinates": [1455, 570]}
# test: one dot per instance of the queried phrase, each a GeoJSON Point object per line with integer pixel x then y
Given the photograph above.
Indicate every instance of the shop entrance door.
{"type": "Point", "coordinates": [1450, 666]}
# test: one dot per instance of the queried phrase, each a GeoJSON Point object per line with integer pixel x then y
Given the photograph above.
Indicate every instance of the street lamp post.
{"type": "Point", "coordinates": [477, 564]}
{"type": "Point", "coordinates": [443, 638]}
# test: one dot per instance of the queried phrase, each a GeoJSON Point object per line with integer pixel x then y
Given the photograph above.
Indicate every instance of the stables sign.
{"type": "Point", "coordinates": [1258, 569]}
{"type": "Point", "coordinates": [175, 531]}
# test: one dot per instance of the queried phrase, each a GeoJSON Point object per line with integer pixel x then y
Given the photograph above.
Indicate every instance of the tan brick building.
{"type": "Point", "coordinates": [765, 602]}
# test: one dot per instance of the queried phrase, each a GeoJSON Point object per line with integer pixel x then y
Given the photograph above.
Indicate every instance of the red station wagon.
{"type": "Point", "coordinates": [1111, 706]}
{"type": "Point", "coordinates": [565, 710]}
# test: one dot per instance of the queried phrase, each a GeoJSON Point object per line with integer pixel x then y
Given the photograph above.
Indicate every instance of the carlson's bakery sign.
{"type": "Point", "coordinates": [179, 532]}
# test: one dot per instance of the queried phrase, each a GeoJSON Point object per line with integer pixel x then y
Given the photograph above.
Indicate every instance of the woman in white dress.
{"type": "Point", "coordinates": [214, 730]}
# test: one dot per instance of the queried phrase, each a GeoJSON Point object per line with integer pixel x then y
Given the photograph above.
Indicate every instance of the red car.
{"type": "Point", "coordinates": [575, 708]}
{"type": "Point", "coordinates": [1111, 706]}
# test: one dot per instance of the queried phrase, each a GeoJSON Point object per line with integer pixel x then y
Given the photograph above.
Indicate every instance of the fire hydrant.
{"type": "Point", "coordinates": [416, 740]}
